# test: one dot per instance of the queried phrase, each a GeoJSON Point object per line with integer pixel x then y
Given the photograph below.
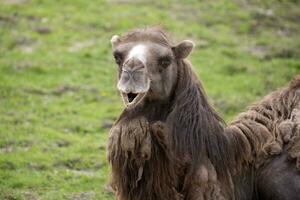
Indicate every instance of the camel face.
{"type": "Point", "coordinates": [147, 70]}
{"type": "Point", "coordinates": [147, 66]}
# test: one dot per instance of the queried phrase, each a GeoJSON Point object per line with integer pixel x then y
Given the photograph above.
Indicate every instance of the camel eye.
{"type": "Point", "coordinates": [118, 58]}
{"type": "Point", "coordinates": [164, 61]}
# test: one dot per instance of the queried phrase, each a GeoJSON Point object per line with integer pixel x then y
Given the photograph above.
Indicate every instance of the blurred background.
{"type": "Point", "coordinates": [57, 78]}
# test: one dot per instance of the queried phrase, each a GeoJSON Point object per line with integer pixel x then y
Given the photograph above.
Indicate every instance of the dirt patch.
{"type": "Point", "coordinates": [75, 163]}
{"type": "Point", "coordinates": [235, 69]}
{"type": "Point", "coordinates": [15, 2]}
{"type": "Point", "coordinates": [62, 143]}
{"type": "Point", "coordinates": [83, 173]}
{"type": "Point", "coordinates": [26, 45]}
{"type": "Point", "coordinates": [43, 30]}
{"type": "Point", "coordinates": [102, 147]}
{"type": "Point", "coordinates": [64, 89]}
{"type": "Point", "coordinates": [78, 46]}
{"type": "Point", "coordinates": [57, 144]}
{"type": "Point", "coordinates": [284, 53]}
{"type": "Point", "coordinates": [37, 166]}
{"type": "Point", "coordinates": [29, 195]}
{"type": "Point", "coordinates": [259, 51]}
{"type": "Point", "coordinates": [11, 146]}
{"type": "Point", "coordinates": [60, 90]}
{"type": "Point", "coordinates": [82, 196]}
{"type": "Point", "coordinates": [7, 165]}
{"type": "Point", "coordinates": [10, 195]}
{"type": "Point", "coordinates": [24, 65]}
{"type": "Point", "coordinates": [6, 149]}
{"type": "Point", "coordinates": [8, 19]}
{"type": "Point", "coordinates": [268, 53]}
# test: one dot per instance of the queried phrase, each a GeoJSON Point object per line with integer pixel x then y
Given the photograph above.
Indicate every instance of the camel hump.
{"type": "Point", "coordinates": [295, 83]}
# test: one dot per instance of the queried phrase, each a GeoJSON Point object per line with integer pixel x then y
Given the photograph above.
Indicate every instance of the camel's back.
{"type": "Point", "coordinates": [285, 121]}
{"type": "Point", "coordinates": [271, 124]}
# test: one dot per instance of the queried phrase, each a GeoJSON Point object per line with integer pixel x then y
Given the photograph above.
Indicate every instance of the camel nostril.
{"type": "Point", "coordinates": [131, 96]}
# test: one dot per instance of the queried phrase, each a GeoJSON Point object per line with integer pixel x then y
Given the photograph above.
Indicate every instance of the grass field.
{"type": "Point", "coordinates": [57, 78]}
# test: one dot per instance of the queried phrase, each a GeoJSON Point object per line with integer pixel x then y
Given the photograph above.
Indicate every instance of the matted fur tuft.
{"type": "Point", "coordinates": [295, 83]}
{"type": "Point", "coordinates": [265, 126]}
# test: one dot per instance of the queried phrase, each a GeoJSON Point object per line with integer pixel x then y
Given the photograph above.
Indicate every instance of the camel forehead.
{"type": "Point", "coordinates": [144, 51]}
{"type": "Point", "coordinates": [139, 52]}
{"type": "Point", "coordinates": [148, 50]}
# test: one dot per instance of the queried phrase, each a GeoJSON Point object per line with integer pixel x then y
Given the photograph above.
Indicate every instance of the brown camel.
{"type": "Point", "coordinates": [170, 144]}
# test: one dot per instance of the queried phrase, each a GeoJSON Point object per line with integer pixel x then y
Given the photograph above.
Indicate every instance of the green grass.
{"type": "Point", "coordinates": [57, 78]}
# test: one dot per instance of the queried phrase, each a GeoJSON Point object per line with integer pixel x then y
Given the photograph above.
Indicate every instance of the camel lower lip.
{"type": "Point", "coordinates": [132, 99]}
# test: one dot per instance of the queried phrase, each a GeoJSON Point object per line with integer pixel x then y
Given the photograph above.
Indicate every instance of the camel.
{"type": "Point", "coordinates": [170, 144]}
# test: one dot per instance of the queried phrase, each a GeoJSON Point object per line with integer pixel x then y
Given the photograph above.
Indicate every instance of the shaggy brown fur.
{"type": "Point", "coordinates": [266, 124]}
{"type": "Point", "coordinates": [178, 148]}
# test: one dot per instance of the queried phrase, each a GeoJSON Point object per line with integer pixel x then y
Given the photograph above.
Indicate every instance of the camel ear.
{"type": "Point", "coordinates": [114, 40]}
{"type": "Point", "coordinates": [183, 49]}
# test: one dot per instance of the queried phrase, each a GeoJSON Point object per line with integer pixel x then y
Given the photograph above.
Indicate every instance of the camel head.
{"type": "Point", "coordinates": [147, 64]}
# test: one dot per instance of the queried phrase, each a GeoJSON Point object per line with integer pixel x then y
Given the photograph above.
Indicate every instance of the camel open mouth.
{"type": "Point", "coordinates": [132, 99]}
